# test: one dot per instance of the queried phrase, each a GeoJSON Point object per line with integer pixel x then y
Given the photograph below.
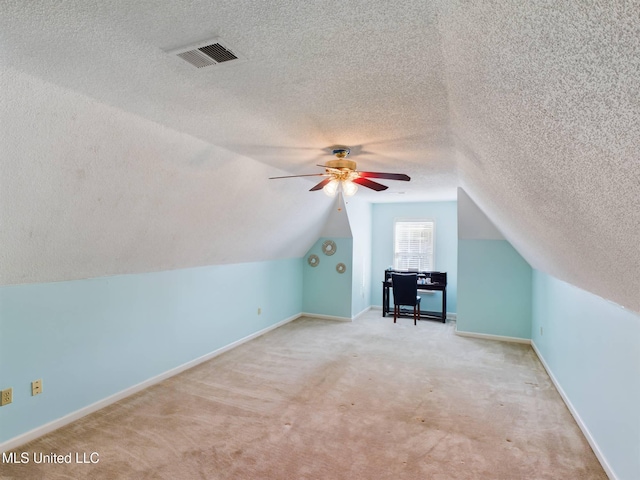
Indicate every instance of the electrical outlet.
{"type": "Point", "coordinates": [259, 311]}
{"type": "Point", "coordinates": [6, 397]}
{"type": "Point", "coordinates": [540, 330]}
{"type": "Point", "coordinates": [36, 387]}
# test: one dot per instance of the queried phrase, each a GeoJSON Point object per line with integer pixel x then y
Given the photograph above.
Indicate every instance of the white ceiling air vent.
{"type": "Point", "coordinates": [207, 53]}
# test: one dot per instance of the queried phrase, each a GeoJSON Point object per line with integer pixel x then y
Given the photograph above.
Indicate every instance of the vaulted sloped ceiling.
{"type": "Point", "coordinates": [119, 158]}
{"type": "Point", "coordinates": [88, 190]}
{"type": "Point", "coordinates": [545, 111]}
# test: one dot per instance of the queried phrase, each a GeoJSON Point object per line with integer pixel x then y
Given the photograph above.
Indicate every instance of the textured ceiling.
{"type": "Point", "coordinates": [315, 75]}
{"type": "Point", "coordinates": [120, 158]}
{"type": "Point", "coordinates": [545, 109]}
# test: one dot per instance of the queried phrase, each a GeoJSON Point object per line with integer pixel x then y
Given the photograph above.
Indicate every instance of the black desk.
{"type": "Point", "coordinates": [433, 287]}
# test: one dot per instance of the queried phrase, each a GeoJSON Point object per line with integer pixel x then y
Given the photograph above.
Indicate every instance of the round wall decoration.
{"type": "Point", "coordinates": [313, 260]}
{"type": "Point", "coordinates": [341, 268]}
{"type": "Point", "coordinates": [329, 247]}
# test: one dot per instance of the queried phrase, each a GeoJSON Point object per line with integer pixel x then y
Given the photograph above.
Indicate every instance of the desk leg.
{"type": "Point", "coordinates": [444, 305]}
{"type": "Point", "coordinates": [385, 300]}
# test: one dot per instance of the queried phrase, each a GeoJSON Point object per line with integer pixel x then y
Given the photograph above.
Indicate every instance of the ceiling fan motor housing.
{"type": "Point", "coordinates": [342, 163]}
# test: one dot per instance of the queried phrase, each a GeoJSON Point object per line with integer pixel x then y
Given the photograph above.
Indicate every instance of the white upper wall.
{"type": "Point", "coordinates": [472, 222]}
{"type": "Point", "coordinates": [337, 224]}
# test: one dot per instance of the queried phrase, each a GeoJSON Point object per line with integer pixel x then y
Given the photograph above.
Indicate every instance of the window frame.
{"type": "Point", "coordinates": [433, 240]}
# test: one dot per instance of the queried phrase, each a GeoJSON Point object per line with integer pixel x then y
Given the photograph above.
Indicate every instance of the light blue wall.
{"type": "Point", "coordinates": [327, 292]}
{"type": "Point", "coordinates": [592, 347]}
{"type": "Point", "coordinates": [89, 339]}
{"type": "Point", "coordinates": [360, 220]}
{"type": "Point", "coordinates": [446, 246]}
{"type": "Point", "coordinates": [494, 289]}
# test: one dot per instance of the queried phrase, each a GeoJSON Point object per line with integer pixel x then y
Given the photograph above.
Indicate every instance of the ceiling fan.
{"type": "Point", "coordinates": [343, 173]}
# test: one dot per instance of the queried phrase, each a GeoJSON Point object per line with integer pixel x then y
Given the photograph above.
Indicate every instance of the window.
{"type": "Point", "coordinates": [413, 245]}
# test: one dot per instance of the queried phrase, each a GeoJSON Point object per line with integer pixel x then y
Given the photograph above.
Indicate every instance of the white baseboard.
{"type": "Point", "coordinates": [499, 338]}
{"type": "Point", "coordinates": [326, 317]}
{"type": "Point", "coordinates": [73, 416]}
{"type": "Point", "coordinates": [361, 313]}
{"type": "Point", "coordinates": [594, 446]}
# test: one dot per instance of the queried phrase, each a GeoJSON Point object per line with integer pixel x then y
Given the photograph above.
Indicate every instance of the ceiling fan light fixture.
{"type": "Point", "coordinates": [331, 188]}
{"type": "Point", "coordinates": [349, 188]}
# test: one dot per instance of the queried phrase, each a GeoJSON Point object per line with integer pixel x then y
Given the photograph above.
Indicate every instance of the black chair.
{"type": "Point", "coordinates": [405, 293]}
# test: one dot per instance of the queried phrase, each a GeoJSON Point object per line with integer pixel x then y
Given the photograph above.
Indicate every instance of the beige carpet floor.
{"type": "Point", "coordinates": [317, 399]}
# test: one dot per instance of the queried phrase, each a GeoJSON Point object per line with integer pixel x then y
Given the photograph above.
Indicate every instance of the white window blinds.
{"type": "Point", "coordinates": [413, 245]}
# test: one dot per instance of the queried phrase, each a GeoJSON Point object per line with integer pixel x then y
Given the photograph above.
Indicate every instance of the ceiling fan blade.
{"type": "Point", "coordinates": [321, 184]}
{"type": "Point", "coordinates": [307, 175]}
{"type": "Point", "coordinates": [388, 176]}
{"type": "Point", "coordinates": [369, 184]}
